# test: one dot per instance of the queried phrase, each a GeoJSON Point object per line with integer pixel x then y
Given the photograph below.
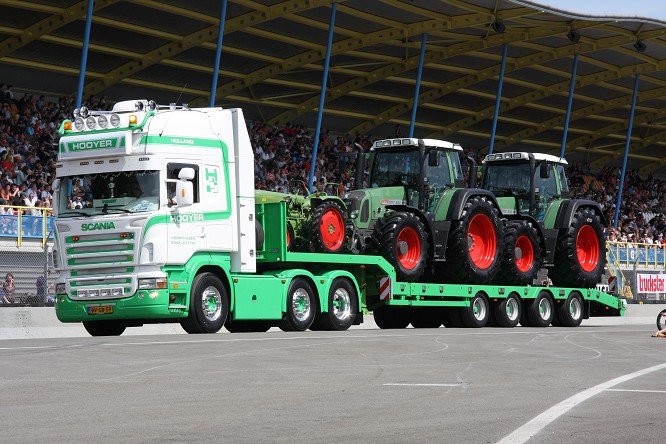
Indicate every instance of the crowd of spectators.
{"type": "Point", "coordinates": [283, 155]}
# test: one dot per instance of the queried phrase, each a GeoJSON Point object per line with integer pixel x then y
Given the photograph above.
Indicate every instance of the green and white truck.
{"type": "Point", "coordinates": [157, 221]}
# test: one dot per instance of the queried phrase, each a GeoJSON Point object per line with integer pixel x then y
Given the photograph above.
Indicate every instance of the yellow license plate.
{"type": "Point", "coordinates": [101, 309]}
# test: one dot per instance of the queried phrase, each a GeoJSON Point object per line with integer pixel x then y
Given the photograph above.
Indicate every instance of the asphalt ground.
{"type": "Point", "coordinates": [591, 384]}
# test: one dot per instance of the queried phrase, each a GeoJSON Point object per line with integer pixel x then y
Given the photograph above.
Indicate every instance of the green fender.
{"type": "Point", "coordinates": [292, 274]}
{"type": "Point", "coordinates": [329, 277]}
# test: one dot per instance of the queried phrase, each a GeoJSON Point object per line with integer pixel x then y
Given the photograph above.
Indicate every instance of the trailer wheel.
{"type": "Point", "coordinates": [342, 307]}
{"type": "Point", "coordinates": [478, 312]}
{"type": "Point", "coordinates": [580, 253]}
{"type": "Point", "coordinates": [248, 326]}
{"type": "Point", "coordinates": [209, 305]}
{"type": "Point", "coordinates": [570, 313]}
{"type": "Point", "coordinates": [391, 317]}
{"type": "Point", "coordinates": [507, 311]}
{"type": "Point", "coordinates": [327, 227]}
{"type": "Point", "coordinates": [426, 318]}
{"type": "Point", "coordinates": [301, 306]}
{"type": "Point", "coordinates": [401, 238]}
{"type": "Point", "coordinates": [259, 235]}
{"type": "Point", "coordinates": [104, 328]}
{"type": "Point", "coordinates": [473, 254]}
{"type": "Point", "coordinates": [661, 320]}
{"type": "Point", "coordinates": [522, 254]}
{"type": "Point", "coordinates": [540, 312]}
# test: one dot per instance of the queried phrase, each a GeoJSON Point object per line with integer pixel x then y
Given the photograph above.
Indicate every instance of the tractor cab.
{"type": "Point", "coordinates": [525, 183]}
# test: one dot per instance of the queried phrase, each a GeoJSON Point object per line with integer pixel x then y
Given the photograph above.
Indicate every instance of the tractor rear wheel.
{"type": "Point", "coordinates": [327, 228]}
{"type": "Point", "coordinates": [580, 253]}
{"type": "Point", "coordinates": [401, 238]}
{"type": "Point", "coordinates": [473, 253]}
{"type": "Point", "coordinates": [523, 256]}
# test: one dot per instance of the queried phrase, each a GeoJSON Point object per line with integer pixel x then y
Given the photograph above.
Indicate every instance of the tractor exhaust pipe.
{"type": "Point", "coordinates": [360, 167]}
{"type": "Point", "coordinates": [473, 169]}
{"type": "Point", "coordinates": [422, 175]}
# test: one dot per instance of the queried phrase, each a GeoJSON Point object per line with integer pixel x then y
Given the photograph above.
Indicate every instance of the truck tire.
{"type": "Point", "coordinates": [209, 305]}
{"type": "Point", "coordinates": [570, 313]}
{"type": "Point", "coordinates": [661, 320]}
{"type": "Point", "coordinates": [427, 317]}
{"type": "Point", "coordinates": [540, 311]}
{"type": "Point", "coordinates": [401, 239]}
{"type": "Point", "coordinates": [473, 254]}
{"type": "Point", "coordinates": [327, 228]}
{"type": "Point", "coordinates": [301, 306]}
{"type": "Point", "coordinates": [342, 307]}
{"type": "Point", "coordinates": [104, 328]}
{"type": "Point", "coordinates": [248, 326]}
{"type": "Point", "coordinates": [580, 253]}
{"type": "Point", "coordinates": [522, 256]}
{"type": "Point", "coordinates": [391, 317]}
{"type": "Point", "coordinates": [478, 312]}
{"type": "Point", "coordinates": [506, 312]}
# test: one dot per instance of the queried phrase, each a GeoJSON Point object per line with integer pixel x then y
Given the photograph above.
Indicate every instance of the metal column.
{"type": "Point", "coordinates": [574, 68]}
{"type": "Point", "coordinates": [626, 151]}
{"type": "Point", "coordinates": [84, 53]}
{"type": "Point", "coordinates": [424, 39]}
{"type": "Point", "coordinates": [505, 48]}
{"type": "Point", "coordinates": [322, 96]}
{"type": "Point", "coordinates": [218, 53]}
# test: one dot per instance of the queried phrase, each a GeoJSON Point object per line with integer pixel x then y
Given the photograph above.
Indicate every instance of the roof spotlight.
{"type": "Point", "coordinates": [573, 36]}
{"type": "Point", "coordinates": [498, 27]}
{"type": "Point", "coordinates": [640, 46]}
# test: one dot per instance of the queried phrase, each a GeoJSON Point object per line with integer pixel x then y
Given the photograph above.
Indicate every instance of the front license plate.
{"type": "Point", "coordinates": [100, 309]}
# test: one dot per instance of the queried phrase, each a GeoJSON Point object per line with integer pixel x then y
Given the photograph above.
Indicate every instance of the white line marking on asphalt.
{"type": "Point", "coordinates": [527, 431]}
{"type": "Point", "coordinates": [637, 391]}
{"type": "Point", "coordinates": [422, 385]}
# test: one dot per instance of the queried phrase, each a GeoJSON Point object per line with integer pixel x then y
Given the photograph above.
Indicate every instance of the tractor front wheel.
{"type": "Point", "coordinates": [401, 238]}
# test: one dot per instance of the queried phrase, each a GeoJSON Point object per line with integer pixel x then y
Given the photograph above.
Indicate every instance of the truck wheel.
{"type": "Point", "coordinates": [507, 311]}
{"type": "Point", "coordinates": [209, 305]}
{"type": "Point", "coordinates": [474, 245]}
{"type": "Point", "coordinates": [391, 317]}
{"type": "Point", "coordinates": [342, 306]}
{"type": "Point", "coordinates": [522, 254]}
{"type": "Point", "coordinates": [104, 328]}
{"type": "Point", "coordinates": [301, 306]}
{"type": "Point", "coordinates": [327, 227]}
{"type": "Point", "coordinates": [248, 326]}
{"type": "Point", "coordinates": [570, 313]}
{"type": "Point", "coordinates": [426, 318]}
{"type": "Point", "coordinates": [401, 238]}
{"type": "Point", "coordinates": [478, 312]}
{"type": "Point", "coordinates": [580, 253]}
{"type": "Point", "coordinates": [540, 312]}
{"type": "Point", "coordinates": [661, 320]}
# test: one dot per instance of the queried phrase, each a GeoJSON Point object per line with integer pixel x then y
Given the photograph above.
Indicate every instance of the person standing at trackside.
{"type": "Point", "coordinates": [8, 289]}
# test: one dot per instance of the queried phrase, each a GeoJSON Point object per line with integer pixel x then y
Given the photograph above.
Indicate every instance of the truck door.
{"type": "Point", "coordinates": [185, 233]}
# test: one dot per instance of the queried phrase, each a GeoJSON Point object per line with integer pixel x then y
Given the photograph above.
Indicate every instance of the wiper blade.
{"type": "Point", "coordinates": [107, 210]}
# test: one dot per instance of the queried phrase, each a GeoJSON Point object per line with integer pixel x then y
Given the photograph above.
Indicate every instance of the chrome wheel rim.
{"type": "Point", "coordinates": [479, 308]}
{"type": "Point", "coordinates": [512, 309]}
{"type": "Point", "coordinates": [211, 303]}
{"type": "Point", "coordinates": [544, 309]}
{"type": "Point", "coordinates": [301, 304]}
{"type": "Point", "coordinates": [341, 304]}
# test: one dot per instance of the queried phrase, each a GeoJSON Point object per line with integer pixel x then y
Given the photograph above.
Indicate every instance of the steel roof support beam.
{"type": "Point", "coordinates": [84, 53]}
{"type": "Point", "coordinates": [574, 68]}
{"type": "Point", "coordinates": [415, 103]}
{"type": "Point", "coordinates": [218, 53]}
{"type": "Point", "coordinates": [322, 95]}
{"type": "Point", "coordinates": [505, 49]}
{"type": "Point", "coordinates": [626, 150]}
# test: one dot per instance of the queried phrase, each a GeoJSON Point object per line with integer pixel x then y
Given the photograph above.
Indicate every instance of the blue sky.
{"type": "Point", "coordinates": [654, 9]}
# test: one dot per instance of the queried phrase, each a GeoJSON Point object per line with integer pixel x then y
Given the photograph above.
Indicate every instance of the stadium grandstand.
{"type": "Point", "coordinates": [314, 77]}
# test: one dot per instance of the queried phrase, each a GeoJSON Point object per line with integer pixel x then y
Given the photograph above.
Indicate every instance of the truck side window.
{"type": "Point", "coordinates": [172, 173]}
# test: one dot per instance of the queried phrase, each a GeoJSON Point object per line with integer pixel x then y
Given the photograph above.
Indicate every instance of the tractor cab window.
{"type": "Point", "coordinates": [562, 176]}
{"type": "Point", "coordinates": [395, 168]}
{"type": "Point", "coordinates": [439, 176]}
{"type": "Point", "coordinates": [546, 186]}
{"type": "Point", "coordinates": [507, 179]}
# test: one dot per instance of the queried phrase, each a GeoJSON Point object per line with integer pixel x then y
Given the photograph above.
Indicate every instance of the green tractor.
{"type": "Point", "coordinates": [417, 214]}
{"type": "Point", "coordinates": [315, 222]}
{"type": "Point", "coordinates": [543, 227]}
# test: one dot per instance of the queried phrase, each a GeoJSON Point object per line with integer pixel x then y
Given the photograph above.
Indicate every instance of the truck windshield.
{"type": "Point", "coordinates": [114, 192]}
{"type": "Point", "coordinates": [395, 168]}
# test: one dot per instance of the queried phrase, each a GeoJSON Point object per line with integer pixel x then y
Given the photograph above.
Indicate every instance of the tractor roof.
{"type": "Point", "coordinates": [524, 156]}
{"type": "Point", "coordinates": [414, 142]}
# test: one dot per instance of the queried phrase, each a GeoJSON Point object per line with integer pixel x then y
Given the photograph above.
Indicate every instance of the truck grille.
{"type": "Point", "coordinates": [100, 250]}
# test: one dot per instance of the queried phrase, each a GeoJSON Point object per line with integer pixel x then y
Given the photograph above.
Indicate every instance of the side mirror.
{"type": "Point", "coordinates": [544, 171]}
{"type": "Point", "coordinates": [186, 174]}
{"type": "Point", "coordinates": [184, 192]}
{"type": "Point", "coordinates": [433, 158]}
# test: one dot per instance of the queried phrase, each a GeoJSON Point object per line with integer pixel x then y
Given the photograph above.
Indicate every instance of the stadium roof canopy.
{"type": "Point", "coordinates": [273, 58]}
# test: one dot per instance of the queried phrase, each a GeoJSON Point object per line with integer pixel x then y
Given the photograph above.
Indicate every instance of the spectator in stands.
{"type": "Point", "coordinates": [8, 289]}
{"type": "Point", "coordinates": [41, 289]}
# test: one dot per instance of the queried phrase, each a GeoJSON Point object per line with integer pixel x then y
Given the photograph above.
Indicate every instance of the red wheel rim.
{"type": "Point", "coordinates": [332, 229]}
{"type": "Point", "coordinates": [523, 253]}
{"type": "Point", "coordinates": [481, 241]}
{"type": "Point", "coordinates": [409, 257]}
{"type": "Point", "coordinates": [587, 248]}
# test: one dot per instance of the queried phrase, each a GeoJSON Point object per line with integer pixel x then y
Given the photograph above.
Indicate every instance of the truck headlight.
{"type": "Point", "coordinates": [147, 283]}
